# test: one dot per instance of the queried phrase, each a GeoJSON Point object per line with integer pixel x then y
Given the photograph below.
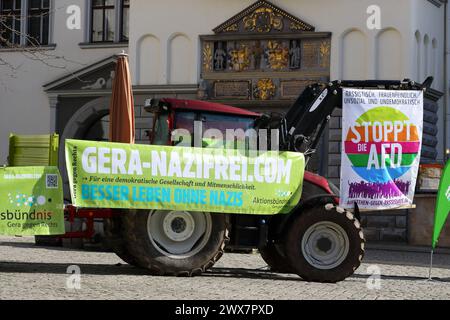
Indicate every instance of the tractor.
{"type": "Point", "coordinates": [317, 240]}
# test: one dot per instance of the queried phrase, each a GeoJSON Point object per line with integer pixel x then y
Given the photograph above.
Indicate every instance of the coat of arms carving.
{"type": "Point", "coordinates": [265, 89]}
{"type": "Point", "coordinates": [263, 20]}
{"type": "Point", "coordinates": [278, 55]}
{"type": "Point", "coordinates": [262, 54]}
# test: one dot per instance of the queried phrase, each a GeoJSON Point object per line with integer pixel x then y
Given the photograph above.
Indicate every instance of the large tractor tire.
{"type": "Point", "coordinates": [324, 244]}
{"type": "Point", "coordinates": [178, 243]}
{"type": "Point", "coordinates": [114, 238]}
{"type": "Point", "coordinates": [275, 259]}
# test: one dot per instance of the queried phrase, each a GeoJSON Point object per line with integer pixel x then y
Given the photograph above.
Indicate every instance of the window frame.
{"type": "Point", "coordinates": [24, 27]}
{"type": "Point", "coordinates": [118, 7]}
{"type": "Point", "coordinates": [103, 8]}
{"type": "Point", "coordinates": [41, 11]}
{"type": "Point", "coordinates": [14, 13]}
{"type": "Point", "coordinates": [121, 20]}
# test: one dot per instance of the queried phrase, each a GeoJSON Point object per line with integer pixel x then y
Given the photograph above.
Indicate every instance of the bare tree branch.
{"type": "Point", "coordinates": [33, 50]}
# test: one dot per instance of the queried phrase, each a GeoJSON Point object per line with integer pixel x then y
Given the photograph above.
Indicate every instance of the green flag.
{"type": "Point", "coordinates": [442, 204]}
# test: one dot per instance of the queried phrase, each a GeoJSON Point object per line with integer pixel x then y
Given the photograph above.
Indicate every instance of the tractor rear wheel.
{"type": "Point", "coordinates": [325, 244]}
{"type": "Point", "coordinates": [275, 259]}
{"type": "Point", "coordinates": [179, 243]}
{"type": "Point", "coordinates": [114, 238]}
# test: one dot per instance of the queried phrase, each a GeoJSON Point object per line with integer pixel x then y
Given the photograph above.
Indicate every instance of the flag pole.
{"type": "Point", "coordinates": [431, 265]}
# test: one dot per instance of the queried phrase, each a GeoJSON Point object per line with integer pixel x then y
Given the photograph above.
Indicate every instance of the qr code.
{"type": "Point", "coordinates": [51, 181]}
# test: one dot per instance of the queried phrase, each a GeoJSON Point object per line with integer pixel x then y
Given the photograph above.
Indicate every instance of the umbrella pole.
{"type": "Point", "coordinates": [431, 265]}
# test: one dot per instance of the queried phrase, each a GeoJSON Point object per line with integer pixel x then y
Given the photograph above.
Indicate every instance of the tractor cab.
{"type": "Point", "coordinates": [207, 122]}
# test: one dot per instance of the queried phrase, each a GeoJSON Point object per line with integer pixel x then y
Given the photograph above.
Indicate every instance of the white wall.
{"type": "Point", "coordinates": [164, 49]}
{"type": "Point", "coordinates": [389, 54]}
{"type": "Point", "coordinates": [353, 53]}
{"type": "Point", "coordinates": [356, 53]}
{"type": "Point", "coordinates": [428, 24]}
{"type": "Point", "coordinates": [24, 107]}
{"type": "Point", "coordinates": [195, 17]}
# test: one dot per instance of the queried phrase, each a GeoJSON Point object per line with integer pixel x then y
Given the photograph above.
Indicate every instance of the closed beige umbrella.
{"type": "Point", "coordinates": [121, 108]}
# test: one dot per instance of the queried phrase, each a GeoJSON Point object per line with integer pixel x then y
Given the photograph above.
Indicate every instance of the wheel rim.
{"type": "Point", "coordinates": [179, 234]}
{"type": "Point", "coordinates": [325, 245]}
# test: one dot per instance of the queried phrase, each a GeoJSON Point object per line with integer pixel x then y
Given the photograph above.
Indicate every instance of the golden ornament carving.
{"type": "Point", "coordinates": [232, 28]}
{"type": "Point", "coordinates": [265, 89]}
{"type": "Point", "coordinates": [263, 20]}
{"type": "Point", "coordinates": [278, 55]}
{"type": "Point", "coordinates": [325, 54]}
{"type": "Point", "coordinates": [207, 56]}
{"type": "Point", "coordinates": [296, 26]}
{"type": "Point", "coordinates": [240, 58]}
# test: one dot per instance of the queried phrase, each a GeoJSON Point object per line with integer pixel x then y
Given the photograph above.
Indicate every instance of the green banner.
{"type": "Point", "coordinates": [115, 175]}
{"type": "Point", "coordinates": [31, 201]}
{"type": "Point", "coordinates": [442, 204]}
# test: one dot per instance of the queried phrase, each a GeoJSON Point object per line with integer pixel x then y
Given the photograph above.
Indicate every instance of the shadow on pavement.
{"type": "Point", "coordinates": [128, 270]}
{"type": "Point", "coordinates": [29, 245]}
{"type": "Point", "coordinates": [61, 268]}
{"type": "Point", "coordinates": [125, 269]}
{"type": "Point", "coordinates": [402, 278]}
{"type": "Point", "coordinates": [250, 274]}
{"type": "Point", "coordinates": [391, 277]}
{"type": "Point", "coordinates": [423, 264]}
{"type": "Point", "coordinates": [259, 274]}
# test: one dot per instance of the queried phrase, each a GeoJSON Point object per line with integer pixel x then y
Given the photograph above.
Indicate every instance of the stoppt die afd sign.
{"type": "Point", "coordinates": [382, 134]}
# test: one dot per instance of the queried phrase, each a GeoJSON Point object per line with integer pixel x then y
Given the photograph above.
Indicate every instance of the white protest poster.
{"type": "Point", "coordinates": [381, 145]}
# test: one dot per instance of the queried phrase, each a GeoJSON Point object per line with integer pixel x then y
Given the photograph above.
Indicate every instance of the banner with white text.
{"type": "Point", "coordinates": [381, 145]}
{"type": "Point", "coordinates": [116, 175]}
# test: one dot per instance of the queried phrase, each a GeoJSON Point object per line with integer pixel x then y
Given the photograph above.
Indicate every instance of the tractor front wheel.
{"type": "Point", "coordinates": [324, 244]}
{"type": "Point", "coordinates": [179, 243]}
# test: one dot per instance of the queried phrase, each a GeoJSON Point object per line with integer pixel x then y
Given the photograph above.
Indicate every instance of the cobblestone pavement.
{"type": "Point", "coordinates": [29, 272]}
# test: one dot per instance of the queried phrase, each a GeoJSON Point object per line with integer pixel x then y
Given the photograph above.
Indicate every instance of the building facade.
{"type": "Point", "coordinates": [168, 48]}
{"type": "Point", "coordinates": [252, 54]}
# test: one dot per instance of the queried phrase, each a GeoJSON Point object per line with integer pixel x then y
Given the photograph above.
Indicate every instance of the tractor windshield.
{"type": "Point", "coordinates": [214, 127]}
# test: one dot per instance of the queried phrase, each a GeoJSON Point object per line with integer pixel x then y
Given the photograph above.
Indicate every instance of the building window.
{"type": "Point", "coordinates": [124, 32]}
{"type": "Point", "coordinates": [24, 23]}
{"type": "Point", "coordinates": [109, 20]}
{"type": "Point", "coordinates": [10, 17]}
{"type": "Point", "coordinates": [38, 22]}
{"type": "Point", "coordinates": [103, 20]}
